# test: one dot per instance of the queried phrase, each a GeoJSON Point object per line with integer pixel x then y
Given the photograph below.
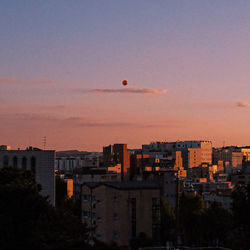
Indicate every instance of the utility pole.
{"type": "Point", "coordinates": [44, 141]}
{"type": "Point", "coordinates": [177, 209]}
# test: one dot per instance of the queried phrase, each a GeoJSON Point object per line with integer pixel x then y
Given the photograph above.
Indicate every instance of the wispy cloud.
{"type": "Point", "coordinates": [243, 104]}
{"type": "Point", "coordinates": [7, 80]}
{"type": "Point", "coordinates": [52, 120]}
{"type": "Point", "coordinates": [132, 90]}
{"type": "Point", "coordinates": [41, 81]}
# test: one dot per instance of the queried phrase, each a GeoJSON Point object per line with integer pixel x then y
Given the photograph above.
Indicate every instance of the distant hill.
{"type": "Point", "coordinates": [74, 153]}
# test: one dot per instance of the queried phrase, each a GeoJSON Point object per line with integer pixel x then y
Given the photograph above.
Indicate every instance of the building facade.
{"type": "Point", "coordinates": [69, 161]}
{"type": "Point", "coordinates": [117, 154]}
{"type": "Point", "coordinates": [41, 162]}
{"type": "Point", "coordinates": [193, 153]}
{"type": "Point", "coordinates": [119, 211]}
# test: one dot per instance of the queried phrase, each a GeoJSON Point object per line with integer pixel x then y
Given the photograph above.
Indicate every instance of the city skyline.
{"type": "Point", "coordinates": [63, 63]}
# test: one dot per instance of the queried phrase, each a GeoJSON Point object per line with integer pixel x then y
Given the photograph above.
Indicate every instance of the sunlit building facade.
{"type": "Point", "coordinates": [120, 211]}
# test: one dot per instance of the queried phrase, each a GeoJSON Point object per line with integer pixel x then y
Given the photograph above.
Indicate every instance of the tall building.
{"type": "Point", "coordinates": [117, 154]}
{"type": "Point", "coordinates": [191, 157]}
{"type": "Point", "coordinates": [205, 148]}
{"type": "Point", "coordinates": [138, 163]}
{"type": "Point", "coordinates": [231, 157]}
{"type": "Point", "coordinates": [119, 211]}
{"type": "Point", "coordinates": [246, 153]}
{"type": "Point", "coordinates": [42, 162]}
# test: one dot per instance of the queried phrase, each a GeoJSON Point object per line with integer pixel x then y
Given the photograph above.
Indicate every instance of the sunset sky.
{"type": "Point", "coordinates": [187, 63]}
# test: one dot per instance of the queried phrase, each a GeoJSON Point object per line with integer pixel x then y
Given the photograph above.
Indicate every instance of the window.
{"type": "Point", "coordinates": [85, 197]}
{"type": "Point", "coordinates": [85, 214]}
{"type": "Point", "coordinates": [5, 161]}
{"type": "Point", "coordinates": [115, 234]}
{"type": "Point", "coordinates": [14, 162]}
{"type": "Point", "coordinates": [115, 216]}
{"type": "Point", "coordinates": [116, 198]}
{"type": "Point", "coordinates": [24, 163]}
{"type": "Point", "coordinates": [99, 236]}
{"type": "Point", "coordinates": [33, 164]}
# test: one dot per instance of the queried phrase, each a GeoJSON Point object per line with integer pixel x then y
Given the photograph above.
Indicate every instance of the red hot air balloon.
{"type": "Point", "coordinates": [125, 82]}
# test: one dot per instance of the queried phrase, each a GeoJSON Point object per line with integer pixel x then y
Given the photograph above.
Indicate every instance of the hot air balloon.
{"type": "Point", "coordinates": [125, 82]}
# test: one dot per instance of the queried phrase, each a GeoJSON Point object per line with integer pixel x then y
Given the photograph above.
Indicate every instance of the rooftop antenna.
{"type": "Point", "coordinates": [44, 140]}
{"type": "Point", "coordinates": [223, 143]}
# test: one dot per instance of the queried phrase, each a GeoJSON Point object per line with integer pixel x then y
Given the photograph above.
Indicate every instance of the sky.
{"type": "Point", "coordinates": [62, 63]}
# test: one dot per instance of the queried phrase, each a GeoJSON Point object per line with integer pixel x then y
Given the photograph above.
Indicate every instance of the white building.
{"type": "Point", "coordinates": [68, 161]}
{"type": "Point", "coordinates": [42, 162]}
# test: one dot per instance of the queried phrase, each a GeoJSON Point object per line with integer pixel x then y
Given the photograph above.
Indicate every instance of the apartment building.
{"type": "Point", "coordinates": [86, 175]}
{"type": "Point", "coordinates": [193, 153]}
{"type": "Point", "coordinates": [117, 154]}
{"type": "Point", "coordinates": [69, 161]}
{"type": "Point", "coordinates": [120, 211]}
{"type": "Point", "coordinates": [204, 148]}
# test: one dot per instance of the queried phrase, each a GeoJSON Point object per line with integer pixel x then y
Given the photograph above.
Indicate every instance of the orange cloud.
{"type": "Point", "coordinates": [133, 90]}
{"type": "Point", "coordinates": [243, 104]}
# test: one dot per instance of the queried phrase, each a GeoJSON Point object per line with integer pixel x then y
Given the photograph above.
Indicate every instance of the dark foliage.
{"type": "Point", "coordinates": [141, 241]}
{"type": "Point", "coordinates": [28, 221]}
{"type": "Point", "coordinates": [216, 226]}
{"type": "Point", "coordinates": [63, 202]}
{"type": "Point", "coordinates": [240, 238]}
{"type": "Point", "coordinates": [192, 210]}
{"type": "Point", "coordinates": [168, 221]}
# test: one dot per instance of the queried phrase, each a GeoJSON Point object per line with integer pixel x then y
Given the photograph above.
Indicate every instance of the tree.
{"type": "Point", "coordinates": [218, 225]}
{"type": "Point", "coordinates": [61, 192]}
{"type": "Point", "coordinates": [63, 202]}
{"type": "Point", "coordinates": [192, 210]}
{"type": "Point", "coordinates": [167, 221]}
{"type": "Point", "coordinates": [241, 206]}
{"type": "Point", "coordinates": [28, 221]}
{"type": "Point", "coordinates": [141, 241]}
{"type": "Point", "coordinates": [240, 238]}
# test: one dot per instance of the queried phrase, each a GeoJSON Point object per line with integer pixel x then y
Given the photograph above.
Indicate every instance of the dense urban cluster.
{"type": "Point", "coordinates": [183, 193]}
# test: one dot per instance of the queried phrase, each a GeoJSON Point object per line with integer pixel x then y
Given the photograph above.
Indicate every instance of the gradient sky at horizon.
{"type": "Point", "coordinates": [54, 54]}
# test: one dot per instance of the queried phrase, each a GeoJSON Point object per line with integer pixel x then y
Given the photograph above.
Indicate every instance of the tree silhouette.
{"type": "Point", "coordinates": [28, 221]}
